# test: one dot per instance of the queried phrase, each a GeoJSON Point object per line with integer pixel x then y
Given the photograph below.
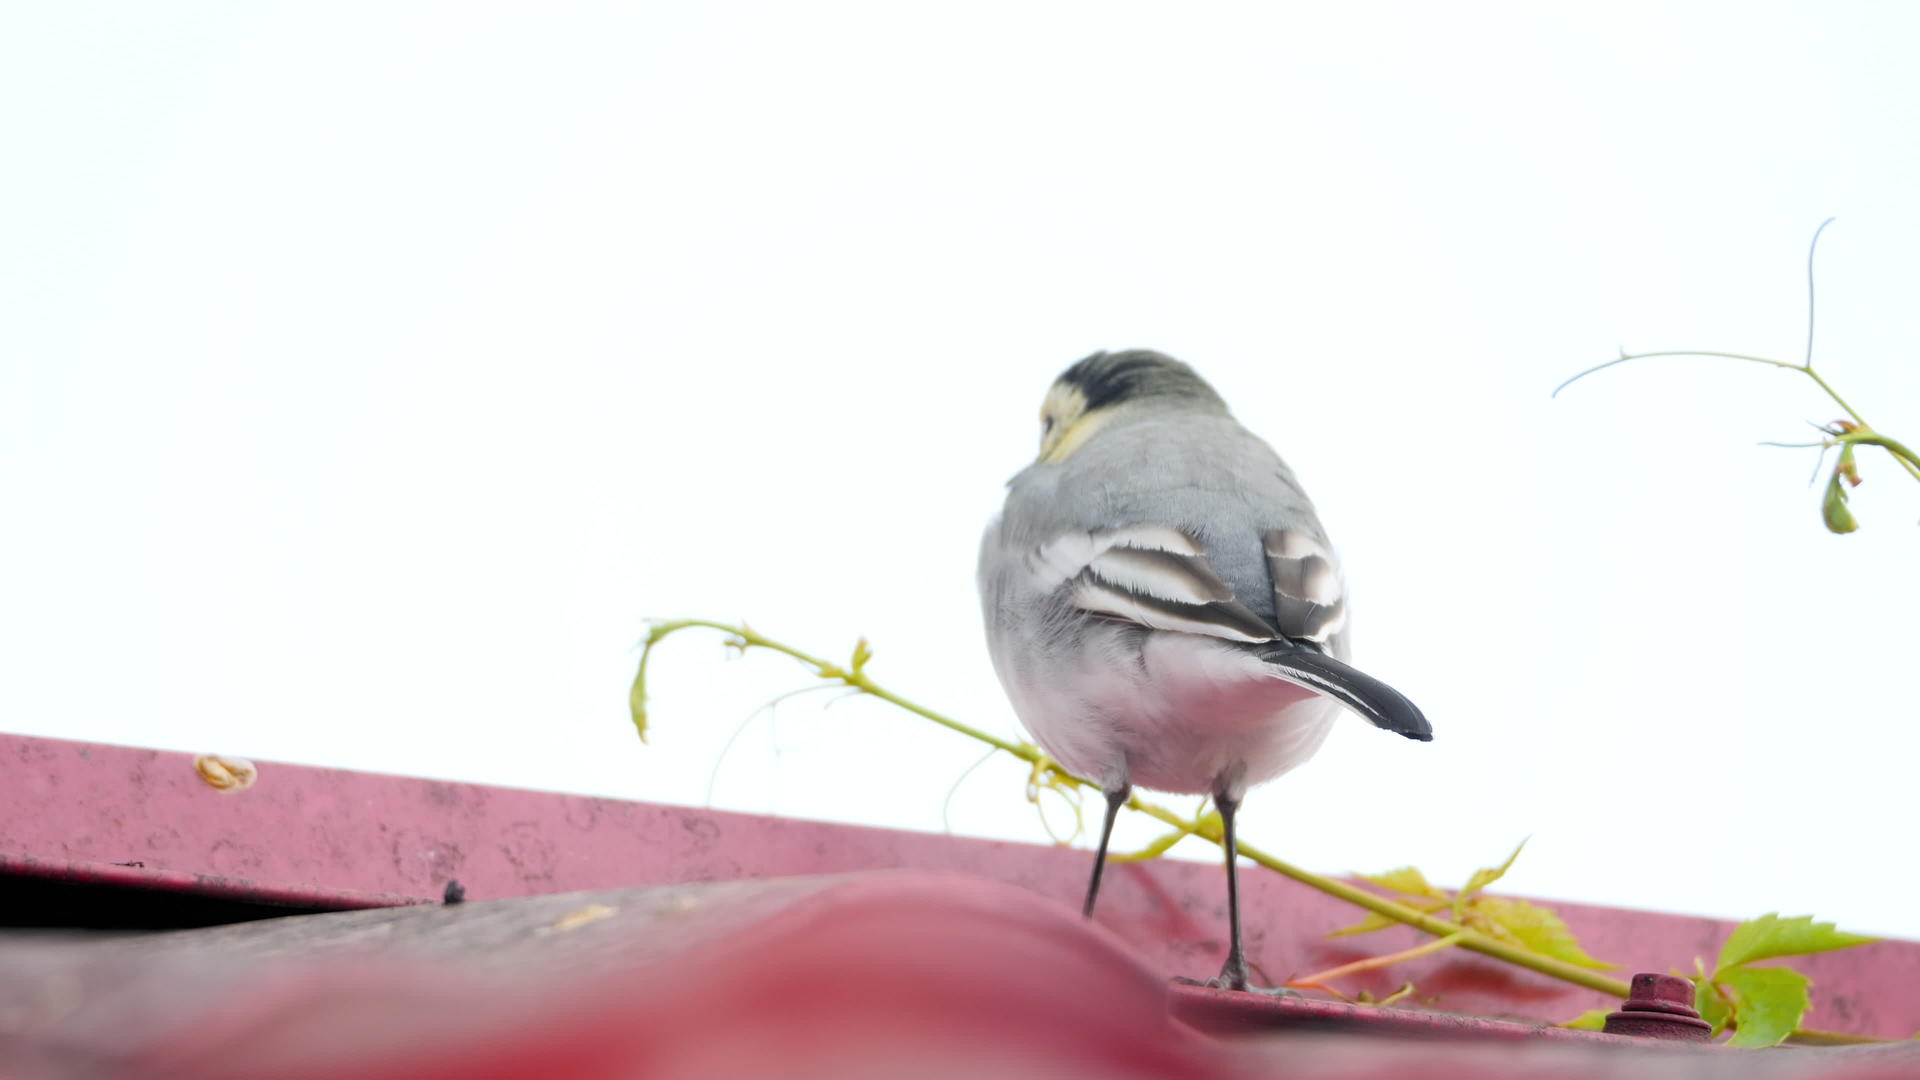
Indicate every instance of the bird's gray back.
{"type": "Point", "coordinates": [1201, 473]}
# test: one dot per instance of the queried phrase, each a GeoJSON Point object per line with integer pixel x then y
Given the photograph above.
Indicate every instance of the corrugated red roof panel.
{"type": "Point", "coordinates": [970, 955]}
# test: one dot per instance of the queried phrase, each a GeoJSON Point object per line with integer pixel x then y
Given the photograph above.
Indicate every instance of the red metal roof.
{"type": "Point", "coordinates": [969, 958]}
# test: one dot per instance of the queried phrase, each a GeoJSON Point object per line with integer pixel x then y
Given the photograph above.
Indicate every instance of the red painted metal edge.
{"type": "Point", "coordinates": [118, 875]}
{"type": "Point", "coordinates": [1226, 1012]}
{"type": "Point", "coordinates": [308, 834]}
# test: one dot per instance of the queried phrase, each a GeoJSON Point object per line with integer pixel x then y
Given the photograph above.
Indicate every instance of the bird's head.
{"type": "Point", "coordinates": [1107, 385]}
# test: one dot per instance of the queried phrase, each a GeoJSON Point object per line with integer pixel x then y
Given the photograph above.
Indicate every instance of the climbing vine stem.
{"type": "Point", "coordinates": [1841, 434]}
{"type": "Point", "coordinates": [743, 638]}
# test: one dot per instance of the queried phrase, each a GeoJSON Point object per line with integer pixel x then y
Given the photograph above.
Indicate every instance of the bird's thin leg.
{"type": "Point", "coordinates": [1233, 974]}
{"type": "Point", "coordinates": [1115, 800]}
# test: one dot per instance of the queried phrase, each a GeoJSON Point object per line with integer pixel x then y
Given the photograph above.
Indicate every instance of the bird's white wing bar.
{"type": "Point", "coordinates": [1152, 575]}
{"type": "Point", "coordinates": [1310, 602]}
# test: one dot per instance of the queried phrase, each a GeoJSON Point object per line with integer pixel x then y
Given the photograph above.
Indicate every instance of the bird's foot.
{"type": "Point", "coordinates": [1234, 977]}
{"type": "Point", "coordinates": [1221, 982]}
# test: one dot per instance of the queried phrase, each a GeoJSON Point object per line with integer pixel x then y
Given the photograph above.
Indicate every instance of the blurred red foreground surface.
{"type": "Point", "coordinates": [804, 958]}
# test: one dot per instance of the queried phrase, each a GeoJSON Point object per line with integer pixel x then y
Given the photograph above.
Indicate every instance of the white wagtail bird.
{"type": "Point", "coordinates": [1162, 604]}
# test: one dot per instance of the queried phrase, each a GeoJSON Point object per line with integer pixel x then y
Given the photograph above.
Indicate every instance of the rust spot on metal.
{"type": "Point", "coordinates": [225, 773]}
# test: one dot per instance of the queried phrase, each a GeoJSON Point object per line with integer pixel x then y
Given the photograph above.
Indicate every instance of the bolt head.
{"type": "Point", "coordinates": [1650, 987]}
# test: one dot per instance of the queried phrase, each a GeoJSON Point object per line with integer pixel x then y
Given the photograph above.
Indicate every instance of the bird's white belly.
{"type": "Point", "coordinates": [1188, 716]}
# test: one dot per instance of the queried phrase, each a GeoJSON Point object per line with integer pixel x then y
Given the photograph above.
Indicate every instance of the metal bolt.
{"type": "Point", "coordinates": [1660, 1007]}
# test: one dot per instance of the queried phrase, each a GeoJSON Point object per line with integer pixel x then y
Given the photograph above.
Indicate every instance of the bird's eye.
{"type": "Point", "coordinates": [1046, 424]}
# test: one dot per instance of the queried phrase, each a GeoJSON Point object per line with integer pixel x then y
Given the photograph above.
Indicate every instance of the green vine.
{"type": "Point", "coordinates": [1845, 435]}
{"type": "Point", "coordinates": [1512, 931]}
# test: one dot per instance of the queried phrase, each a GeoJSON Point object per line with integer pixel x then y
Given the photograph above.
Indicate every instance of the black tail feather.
{"type": "Point", "coordinates": [1381, 704]}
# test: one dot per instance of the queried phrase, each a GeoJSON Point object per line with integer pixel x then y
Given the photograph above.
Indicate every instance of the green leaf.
{"type": "Point", "coordinates": [1591, 1020]}
{"type": "Point", "coordinates": [1833, 506]}
{"type": "Point", "coordinates": [1714, 1008]}
{"type": "Point", "coordinates": [1770, 935]}
{"type": "Point", "coordinates": [1405, 989]}
{"type": "Point", "coordinates": [1373, 921]}
{"type": "Point", "coordinates": [1207, 826]}
{"type": "Point", "coordinates": [1487, 876]}
{"type": "Point", "coordinates": [1481, 879]}
{"type": "Point", "coordinates": [1538, 928]}
{"type": "Point", "coordinates": [1406, 879]}
{"type": "Point", "coordinates": [637, 704]}
{"type": "Point", "coordinates": [1159, 847]}
{"type": "Point", "coordinates": [1769, 1004]}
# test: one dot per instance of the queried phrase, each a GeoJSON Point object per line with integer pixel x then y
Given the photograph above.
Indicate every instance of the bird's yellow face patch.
{"type": "Point", "coordinates": [1065, 422]}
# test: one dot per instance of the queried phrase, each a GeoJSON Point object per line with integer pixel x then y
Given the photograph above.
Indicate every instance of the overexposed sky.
{"type": "Point", "coordinates": [369, 373]}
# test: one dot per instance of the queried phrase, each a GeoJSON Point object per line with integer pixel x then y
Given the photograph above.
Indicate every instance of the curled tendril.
{"type": "Point", "coordinates": [1048, 776]}
{"type": "Point", "coordinates": [767, 707]}
{"type": "Point", "coordinates": [946, 804]}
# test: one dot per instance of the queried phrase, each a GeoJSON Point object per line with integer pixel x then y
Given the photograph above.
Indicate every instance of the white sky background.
{"type": "Point", "coordinates": [368, 374]}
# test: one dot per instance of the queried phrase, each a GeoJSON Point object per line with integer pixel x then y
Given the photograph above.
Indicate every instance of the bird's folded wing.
{"type": "Point", "coordinates": [1309, 600]}
{"type": "Point", "coordinates": [1148, 574]}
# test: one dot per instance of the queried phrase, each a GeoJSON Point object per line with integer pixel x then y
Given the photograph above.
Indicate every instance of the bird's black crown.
{"type": "Point", "coordinates": [1110, 378]}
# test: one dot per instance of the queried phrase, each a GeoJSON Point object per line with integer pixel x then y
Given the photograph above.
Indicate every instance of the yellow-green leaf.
{"type": "Point", "coordinates": [862, 652]}
{"type": "Point", "coordinates": [1209, 825]}
{"type": "Point", "coordinates": [1537, 928]}
{"type": "Point", "coordinates": [1488, 875]}
{"type": "Point", "coordinates": [1591, 1020]}
{"type": "Point", "coordinates": [1833, 506]}
{"type": "Point", "coordinates": [1159, 847]}
{"type": "Point", "coordinates": [637, 702]}
{"type": "Point", "coordinates": [1206, 826]}
{"type": "Point", "coordinates": [1712, 1004]}
{"type": "Point", "coordinates": [1769, 1003]}
{"type": "Point", "coordinates": [1373, 921]}
{"type": "Point", "coordinates": [1770, 935]}
{"type": "Point", "coordinates": [1406, 879]}
{"type": "Point", "coordinates": [1365, 998]}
